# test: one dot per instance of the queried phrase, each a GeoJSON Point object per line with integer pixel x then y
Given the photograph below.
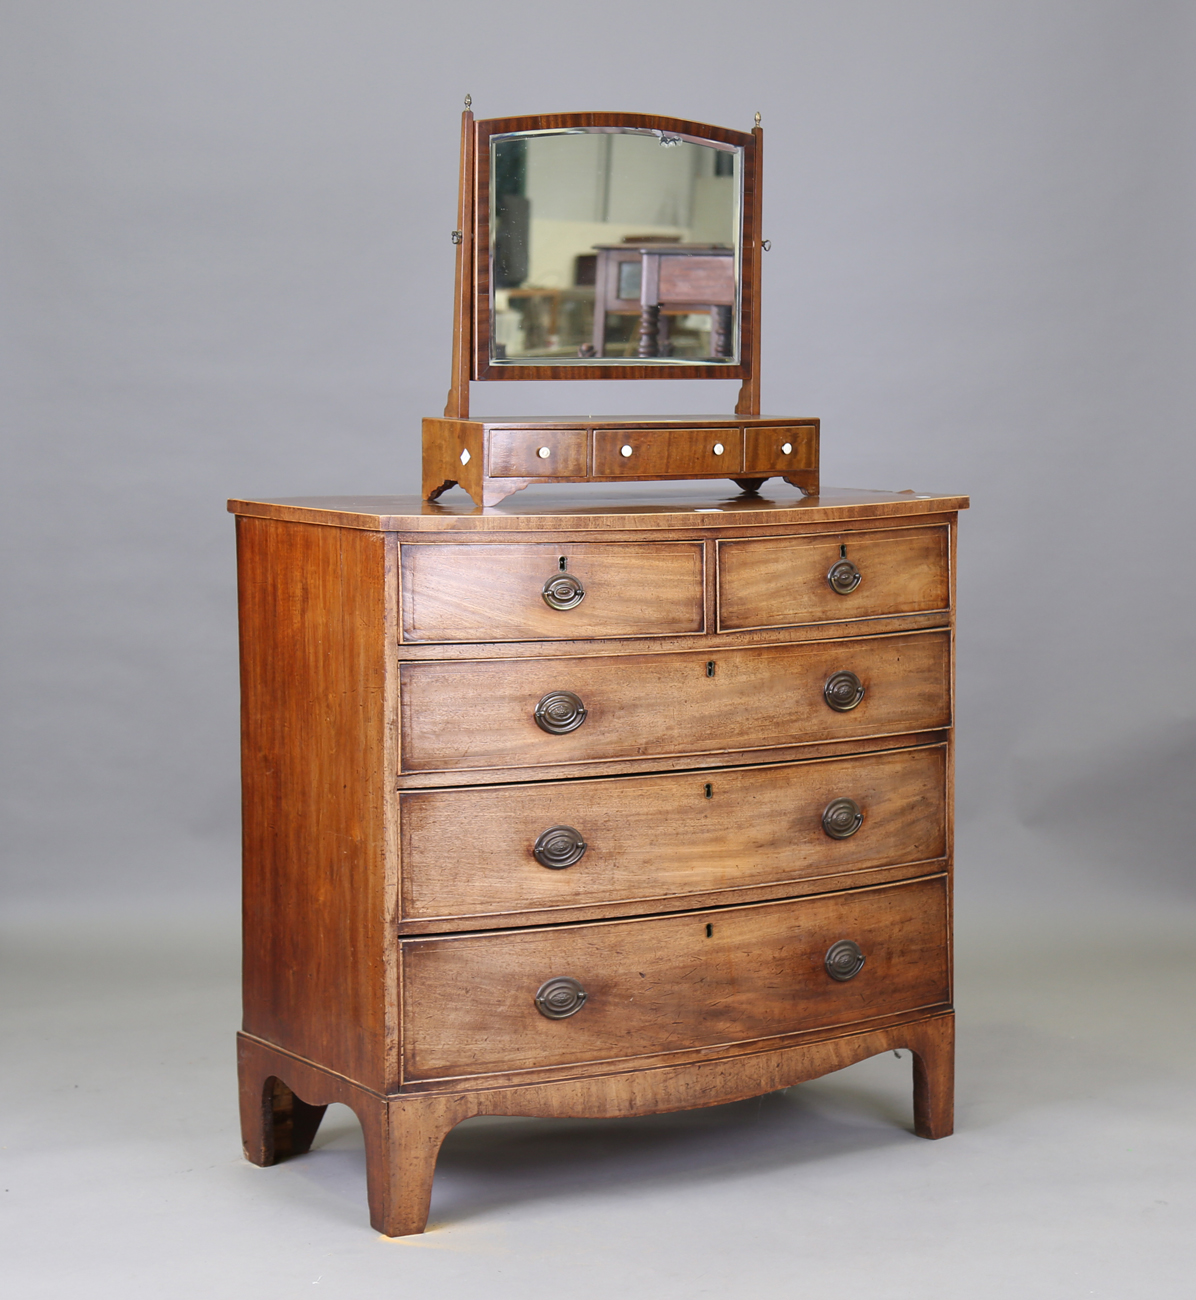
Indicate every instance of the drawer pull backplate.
{"type": "Point", "coordinates": [562, 997]}
{"type": "Point", "coordinates": [844, 960]}
{"type": "Point", "coordinates": [841, 818]}
{"type": "Point", "coordinates": [559, 847]}
{"type": "Point", "coordinates": [843, 691]}
{"type": "Point", "coordinates": [559, 712]}
{"type": "Point", "coordinates": [844, 577]}
{"type": "Point", "coordinates": [563, 591]}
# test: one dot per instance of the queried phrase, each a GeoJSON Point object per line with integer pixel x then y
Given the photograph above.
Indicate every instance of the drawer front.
{"type": "Point", "coordinates": [639, 452]}
{"type": "Point", "coordinates": [465, 716]}
{"type": "Point", "coordinates": [472, 852]}
{"type": "Point", "coordinates": [671, 983]}
{"type": "Point", "coordinates": [780, 581]}
{"type": "Point", "coordinates": [765, 449]}
{"type": "Point", "coordinates": [539, 453]}
{"type": "Point", "coordinates": [507, 593]}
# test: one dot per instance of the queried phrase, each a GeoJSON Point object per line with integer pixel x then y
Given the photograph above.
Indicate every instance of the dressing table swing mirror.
{"type": "Point", "coordinates": [600, 805]}
{"type": "Point", "coordinates": [609, 246]}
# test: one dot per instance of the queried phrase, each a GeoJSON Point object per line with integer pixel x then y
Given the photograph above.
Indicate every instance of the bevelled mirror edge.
{"type": "Point", "coordinates": [473, 341]}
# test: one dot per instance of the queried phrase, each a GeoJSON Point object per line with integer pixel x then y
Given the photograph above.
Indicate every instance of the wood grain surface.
{"type": "Point", "coordinates": [671, 451]}
{"type": "Point", "coordinates": [670, 983]}
{"type": "Point", "coordinates": [764, 449]}
{"type": "Point", "coordinates": [468, 852]}
{"type": "Point", "coordinates": [317, 759]}
{"type": "Point", "coordinates": [495, 593]}
{"type": "Point", "coordinates": [516, 452]}
{"type": "Point", "coordinates": [774, 581]}
{"type": "Point", "coordinates": [637, 508]}
{"type": "Point", "coordinates": [474, 715]}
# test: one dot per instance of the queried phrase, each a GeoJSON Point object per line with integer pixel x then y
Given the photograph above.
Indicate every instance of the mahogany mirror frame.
{"type": "Point", "coordinates": [471, 304]}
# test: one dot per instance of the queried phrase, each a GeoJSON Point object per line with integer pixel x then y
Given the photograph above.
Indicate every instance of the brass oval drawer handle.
{"type": "Point", "coordinates": [560, 997]}
{"type": "Point", "coordinates": [563, 591]}
{"type": "Point", "coordinates": [841, 818]}
{"type": "Point", "coordinates": [559, 712]}
{"type": "Point", "coordinates": [843, 691]}
{"type": "Point", "coordinates": [844, 577]}
{"type": "Point", "coordinates": [559, 847]}
{"type": "Point", "coordinates": [844, 960]}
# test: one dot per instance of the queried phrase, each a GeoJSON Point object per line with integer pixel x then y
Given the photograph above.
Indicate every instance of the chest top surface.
{"type": "Point", "coordinates": [647, 509]}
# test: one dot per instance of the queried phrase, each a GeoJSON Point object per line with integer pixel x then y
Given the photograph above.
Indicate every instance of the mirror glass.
{"type": "Point", "coordinates": [614, 246]}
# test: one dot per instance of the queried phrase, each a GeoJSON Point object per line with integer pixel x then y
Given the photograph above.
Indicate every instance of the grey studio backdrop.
{"type": "Point", "coordinates": [227, 271]}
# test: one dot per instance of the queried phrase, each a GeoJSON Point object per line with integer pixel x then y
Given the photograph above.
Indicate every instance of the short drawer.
{"type": "Point", "coordinates": [673, 983]}
{"type": "Point", "coordinates": [537, 453]}
{"type": "Point", "coordinates": [539, 592]}
{"type": "Point", "coordinates": [781, 449]}
{"type": "Point", "coordinates": [640, 452]}
{"type": "Point", "coordinates": [482, 852]}
{"type": "Point", "coordinates": [781, 581]}
{"type": "Point", "coordinates": [469, 715]}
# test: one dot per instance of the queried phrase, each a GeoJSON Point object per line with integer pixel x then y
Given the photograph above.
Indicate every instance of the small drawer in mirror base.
{"type": "Point", "coordinates": [635, 453]}
{"type": "Point", "coordinates": [542, 453]}
{"type": "Point", "coordinates": [780, 450]}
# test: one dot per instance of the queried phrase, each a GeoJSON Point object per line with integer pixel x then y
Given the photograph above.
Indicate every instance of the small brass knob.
{"type": "Point", "coordinates": [844, 960]}
{"type": "Point", "coordinates": [563, 591]}
{"type": "Point", "coordinates": [844, 577]}
{"type": "Point", "coordinates": [559, 712]}
{"type": "Point", "coordinates": [841, 818]}
{"type": "Point", "coordinates": [560, 998]}
{"type": "Point", "coordinates": [558, 847]}
{"type": "Point", "coordinates": [843, 691]}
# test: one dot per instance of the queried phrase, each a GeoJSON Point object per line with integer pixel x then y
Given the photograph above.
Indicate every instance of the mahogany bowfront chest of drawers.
{"type": "Point", "coordinates": [608, 806]}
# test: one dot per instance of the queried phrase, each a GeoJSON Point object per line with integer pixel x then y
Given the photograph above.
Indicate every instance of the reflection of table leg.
{"type": "Point", "coordinates": [649, 324]}
{"type": "Point", "coordinates": [720, 331]}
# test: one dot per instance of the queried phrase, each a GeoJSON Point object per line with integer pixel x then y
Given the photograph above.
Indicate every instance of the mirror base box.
{"type": "Point", "coordinates": [491, 459]}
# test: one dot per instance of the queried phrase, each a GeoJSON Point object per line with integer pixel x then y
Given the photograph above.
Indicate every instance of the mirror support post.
{"type": "Point", "coordinates": [463, 286]}
{"type": "Point", "coordinates": [749, 391]}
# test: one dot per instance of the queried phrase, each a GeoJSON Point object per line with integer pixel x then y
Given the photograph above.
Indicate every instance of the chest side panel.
{"type": "Point", "coordinates": [317, 727]}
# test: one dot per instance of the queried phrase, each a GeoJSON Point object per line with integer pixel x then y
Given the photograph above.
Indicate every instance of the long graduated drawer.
{"type": "Point", "coordinates": [475, 853]}
{"type": "Point", "coordinates": [483, 714]}
{"type": "Point", "coordinates": [668, 984]}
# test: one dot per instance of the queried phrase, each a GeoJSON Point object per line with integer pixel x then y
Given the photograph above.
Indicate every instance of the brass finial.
{"type": "Point", "coordinates": [469, 102]}
{"type": "Point", "coordinates": [757, 119]}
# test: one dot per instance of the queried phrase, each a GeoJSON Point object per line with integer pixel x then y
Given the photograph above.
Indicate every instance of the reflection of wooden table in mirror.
{"type": "Point", "coordinates": [554, 319]}
{"type": "Point", "coordinates": [657, 280]}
